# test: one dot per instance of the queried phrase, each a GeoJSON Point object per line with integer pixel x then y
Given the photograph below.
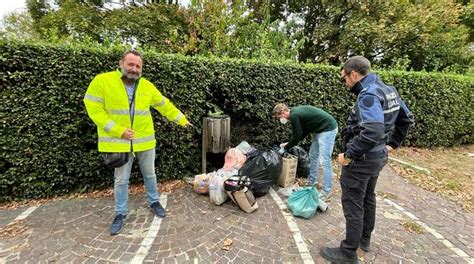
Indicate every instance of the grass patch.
{"type": "Point", "coordinates": [388, 195]}
{"type": "Point", "coordinates": [412, 226]}
{"type": "Point", "coordinates": [453, 185]}
{"type": "Point", "coordinates": [451, 171]}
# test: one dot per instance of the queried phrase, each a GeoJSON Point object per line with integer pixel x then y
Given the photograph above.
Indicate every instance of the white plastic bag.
{"type": "Point", "coordinates": [289, 190]}
{"type": "Point", "coordinates": [245, 147]}
{"type": "Point", "coordinates": [217, 193]}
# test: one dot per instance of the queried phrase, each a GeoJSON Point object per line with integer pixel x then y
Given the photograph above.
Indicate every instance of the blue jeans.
{"type": "Point", "coordinates": [146, 160]}
{"type": "Point", "coordinates": [321, 152]}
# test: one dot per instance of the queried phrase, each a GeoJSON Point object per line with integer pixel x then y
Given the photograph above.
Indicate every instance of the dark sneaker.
{"type": "Point", "coordinates": [365, 244]}
{"type": "Point", "coordinates": [117, 224]}
{"type": "Point", "coordinates": [336, 256]}
{"type": "Point", "coordinates": [158, 209]}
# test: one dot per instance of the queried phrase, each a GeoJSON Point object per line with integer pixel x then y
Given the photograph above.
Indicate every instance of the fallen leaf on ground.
{"type": "Point", "coordinates": [133, 189]}
{"type": "Point", "coordinates": [172, 185]}
{"type": "Point", "coordinates": [412, 226]}
{"type": "Point", "coordinates": [227, 244]}
{"type": "Point", "coordinates": [451, 169]}
{"type": "Point", "coordinates": [13, 229]}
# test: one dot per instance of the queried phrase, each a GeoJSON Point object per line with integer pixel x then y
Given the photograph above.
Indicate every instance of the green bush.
{"type": "Point", "coordinates": [49, 143]}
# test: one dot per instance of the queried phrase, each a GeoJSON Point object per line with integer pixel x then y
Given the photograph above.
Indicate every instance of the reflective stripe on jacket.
{"type": "Point", "coordinates": [107, 105]}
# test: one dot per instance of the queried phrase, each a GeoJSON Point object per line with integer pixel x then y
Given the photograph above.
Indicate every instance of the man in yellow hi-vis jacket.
{"type": "Point", "coordinates": [119, 102]}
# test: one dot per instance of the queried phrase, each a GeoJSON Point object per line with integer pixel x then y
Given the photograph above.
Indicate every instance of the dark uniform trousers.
{"type": "Point", "coordinates": [358, 180]}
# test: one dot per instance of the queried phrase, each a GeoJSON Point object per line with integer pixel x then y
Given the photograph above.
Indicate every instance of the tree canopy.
{"type": "Point", "coordinates": [407, 35]}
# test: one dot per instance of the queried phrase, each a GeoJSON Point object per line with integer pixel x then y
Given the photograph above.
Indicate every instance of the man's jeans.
{"type": "Point", "coordinates": [321, 150]}
{"type": "Point", "coordinates": [146, 160]}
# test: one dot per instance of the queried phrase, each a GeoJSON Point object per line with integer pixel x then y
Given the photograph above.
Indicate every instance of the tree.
{"type": "Point", "coordinates": [467, 18]}
{"type": "Point", "coordinates": [18, 25]}
{"type": "Point", "coordinates": [407, 35]}
{"type": "Point", "coordinates": [233, 30]}
{"type": "Point", "coordinates": [418, 35]}
{"type": "Point", "coordinates": [427, 35]}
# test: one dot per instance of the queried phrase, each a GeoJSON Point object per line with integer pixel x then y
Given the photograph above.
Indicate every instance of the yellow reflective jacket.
{"type": "Point", "coordinates": [107, 105]}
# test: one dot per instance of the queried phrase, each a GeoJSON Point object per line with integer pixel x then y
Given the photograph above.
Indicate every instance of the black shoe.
{"type": "Point", "coordinates": [158, 209]}
{"type": "Point", "coordinates": [336, 256]}
{"type": "Point", "coordinates": [117, 224]}
{"type": "Point", "coordinates": [365, 245]}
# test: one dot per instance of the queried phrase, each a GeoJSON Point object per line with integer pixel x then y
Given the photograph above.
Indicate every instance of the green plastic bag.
{"type": "Point", "coordinates": [304, 202]}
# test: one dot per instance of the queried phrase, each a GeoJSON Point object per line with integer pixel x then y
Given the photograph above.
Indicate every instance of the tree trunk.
{"type": "Point", "coordinates": [306, 53]}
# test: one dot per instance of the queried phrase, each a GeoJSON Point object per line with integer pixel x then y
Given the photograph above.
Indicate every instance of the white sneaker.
{"type": "Point", "coordinates": [322, 205]}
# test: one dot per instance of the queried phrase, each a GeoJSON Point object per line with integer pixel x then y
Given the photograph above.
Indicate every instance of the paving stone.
{"type": "Point", "coordinates": [196, 229]}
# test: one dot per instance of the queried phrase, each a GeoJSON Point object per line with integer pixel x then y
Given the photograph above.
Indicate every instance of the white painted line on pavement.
{"type": "Point", "coordinates": [411, 165]}
{"type": "Point", "coordinates": [150, 235]}
{"type": "Point", "coordinates": [438, 236]}
{"type": "Point", "coordinates": [22, 216]}
{"type": "Point", "coordinates": [302, 247]}
{"type": "Point", "coordinates": [25, 214]}
{"type": "Point", "coordinates": [86, 215]}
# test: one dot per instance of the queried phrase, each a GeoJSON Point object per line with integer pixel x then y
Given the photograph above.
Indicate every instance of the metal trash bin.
{"type": "Point", "coordinates": [215, 136]}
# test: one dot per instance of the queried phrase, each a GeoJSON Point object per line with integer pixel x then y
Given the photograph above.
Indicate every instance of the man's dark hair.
{"type": "Point", "coordinates": [134, 52]}
{"type": "Point", "coordinates": [358, 64]}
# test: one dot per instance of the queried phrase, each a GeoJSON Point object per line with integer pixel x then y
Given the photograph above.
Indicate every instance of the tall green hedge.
{"type": "Point", "coordinates": [49, 143]}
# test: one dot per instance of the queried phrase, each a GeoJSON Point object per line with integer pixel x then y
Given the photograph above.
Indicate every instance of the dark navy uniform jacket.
{"type": "Point", "coordinates": [378, 117]}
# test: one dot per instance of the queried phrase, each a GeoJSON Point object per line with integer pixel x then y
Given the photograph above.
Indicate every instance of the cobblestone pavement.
{"type": "Point", "coordinates": [77, 231]}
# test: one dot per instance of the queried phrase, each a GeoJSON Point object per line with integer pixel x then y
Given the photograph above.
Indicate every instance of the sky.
{"type": "Point", "coordinates": [7, 6]}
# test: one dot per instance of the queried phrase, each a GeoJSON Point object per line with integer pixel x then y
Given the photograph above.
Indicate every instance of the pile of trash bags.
{"type": "Point", "coordinates": [246, 170]}
{"type": "Point", "coordinates": [302, 170]}
{"type": "Point", "coordinates": [263, 168]}
{"type": "Point", "coordinates": [249, 173]}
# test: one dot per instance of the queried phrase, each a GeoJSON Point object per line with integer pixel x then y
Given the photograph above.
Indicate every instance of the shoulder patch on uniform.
{"type": "Point", "coordinates": [368, 101]}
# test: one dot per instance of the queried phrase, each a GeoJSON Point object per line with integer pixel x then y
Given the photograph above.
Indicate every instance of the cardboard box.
{"type": "Point", "coordinates": [288, 171]}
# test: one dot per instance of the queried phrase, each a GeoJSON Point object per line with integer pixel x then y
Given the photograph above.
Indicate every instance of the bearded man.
{"type": "Point", "coordinates": [119, 102]}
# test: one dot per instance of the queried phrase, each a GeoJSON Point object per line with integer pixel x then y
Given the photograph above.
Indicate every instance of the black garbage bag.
{"type": "Point", "coordinates": [302, 169]}
{"type": "Point", "coordinates": [263, 168]}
